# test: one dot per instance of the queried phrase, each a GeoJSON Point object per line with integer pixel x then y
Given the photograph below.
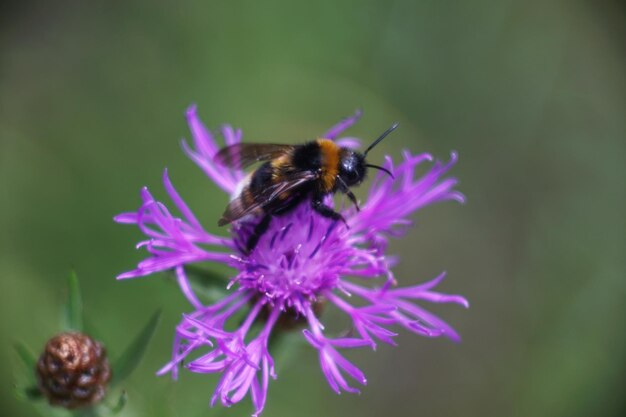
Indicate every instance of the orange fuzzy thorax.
{"type": "Point", "coordinates": [330, 163]}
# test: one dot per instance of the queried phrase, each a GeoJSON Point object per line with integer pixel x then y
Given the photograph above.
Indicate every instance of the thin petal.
{"type": "Point", "coordinates": [340, 127]}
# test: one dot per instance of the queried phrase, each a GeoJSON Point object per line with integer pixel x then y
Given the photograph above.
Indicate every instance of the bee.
{"type": "Point", "coordinates": [290, 175]}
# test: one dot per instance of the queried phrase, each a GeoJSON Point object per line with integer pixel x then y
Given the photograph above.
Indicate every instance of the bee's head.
{"type": "Point", "coordinates": [352, 167]}
{"type": "Point", "coordinates": [352, 164]}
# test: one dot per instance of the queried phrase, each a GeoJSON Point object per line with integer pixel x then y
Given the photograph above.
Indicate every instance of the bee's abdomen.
{"type": "Point", "coordinates": [261, 180]}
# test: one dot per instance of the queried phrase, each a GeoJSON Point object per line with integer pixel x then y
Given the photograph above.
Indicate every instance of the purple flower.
{"type": "Point", "coordinates": [302, 261]}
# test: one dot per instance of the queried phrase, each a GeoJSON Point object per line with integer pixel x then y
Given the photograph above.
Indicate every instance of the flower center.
{"type": "Point", "coordinates": [299, 256]}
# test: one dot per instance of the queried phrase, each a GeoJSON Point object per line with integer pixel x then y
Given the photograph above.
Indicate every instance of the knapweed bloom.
{"type": "Point", "coordinates": [302, 262]}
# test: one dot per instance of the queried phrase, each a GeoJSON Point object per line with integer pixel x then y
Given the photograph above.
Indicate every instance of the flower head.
{"type": "Point", "coordinates": [73, 370]}
{"type": "Point", "coordinates": [301, 262]}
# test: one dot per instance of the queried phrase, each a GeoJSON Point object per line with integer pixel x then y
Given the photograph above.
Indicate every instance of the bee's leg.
{"type": "Point", "coordinates": [319, 206]}
{"type": "Point", "coordinates": [344, 189]}
{"type": "Point", "coordinates": [258, 231]}
{"type": "Point", "coordinates": [352, 198]}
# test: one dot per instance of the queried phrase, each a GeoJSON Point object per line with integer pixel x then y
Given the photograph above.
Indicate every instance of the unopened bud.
{"type": "Point", "coordinates": [73, 370]}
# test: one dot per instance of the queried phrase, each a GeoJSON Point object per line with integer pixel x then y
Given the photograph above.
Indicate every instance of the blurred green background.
{"type": "Point", "coordinates": [532, 95]}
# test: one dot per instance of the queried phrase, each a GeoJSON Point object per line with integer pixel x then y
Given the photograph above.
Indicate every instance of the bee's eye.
{"type": "Point", "coordinates": [350, 176]}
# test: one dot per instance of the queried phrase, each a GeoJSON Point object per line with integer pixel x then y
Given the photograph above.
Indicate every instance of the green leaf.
{"type": "Point", "coordinates": [130, 358]}
{"type": "Point", "coordinates": [74, 306]}
{"type": "Point", "coordinates": [26, 389]}
{"type": "Point", "coordinates": [29, 393]}
{"type": "Point", "coordinates": [26, 355]}
{"type": "Point", "coordinates": [209, 284]}
{"type": "Point", "coordinates": [121, 402]}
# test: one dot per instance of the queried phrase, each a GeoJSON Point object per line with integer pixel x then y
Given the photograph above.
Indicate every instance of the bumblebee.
{"type": "Point", "coordinates": [291, 174]}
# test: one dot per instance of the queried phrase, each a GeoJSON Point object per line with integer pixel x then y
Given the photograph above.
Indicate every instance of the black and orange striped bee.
{"type": "Point", "coordinates": [291, 174]}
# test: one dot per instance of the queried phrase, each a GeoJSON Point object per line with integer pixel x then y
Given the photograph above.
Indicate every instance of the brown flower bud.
{"type": "Point", "coordinates": [73, 370]}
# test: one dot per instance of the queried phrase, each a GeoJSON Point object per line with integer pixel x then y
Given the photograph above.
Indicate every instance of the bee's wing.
{"type": "Point", "coordinates": [240, 155]}
{"type": "Point", "coordinates": [238, 207]}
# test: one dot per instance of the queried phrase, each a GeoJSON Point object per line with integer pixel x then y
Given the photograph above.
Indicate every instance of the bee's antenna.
{"type": "Point", "coordinates": [381, 137]}
{"type": "Point", "coordinates": [381, 169]}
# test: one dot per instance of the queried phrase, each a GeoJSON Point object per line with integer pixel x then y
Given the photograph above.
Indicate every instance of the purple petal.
{"type": "Point", "coordinates": [202, 138]}
{"type": "Point", "coordinates": [350, 143]}
{"type": "Point", "coordinates": [390, 201]}
{"type": "Point", "coordinates": [340, 127]}
{"type": "Point", "coordinates": [205, 149]}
